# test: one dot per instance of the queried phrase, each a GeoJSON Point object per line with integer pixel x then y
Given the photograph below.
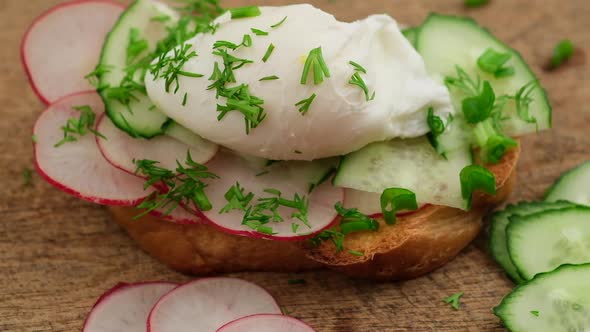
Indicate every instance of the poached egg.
{"type": "Point", "coordinates": [340, 119]}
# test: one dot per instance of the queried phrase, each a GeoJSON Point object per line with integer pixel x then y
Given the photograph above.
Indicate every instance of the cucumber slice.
{"type": "Point", "coordinates": [572, 186]}
{"type": "Point", "coordinates": [457, 135]}
{"type": "Point", "coordinates": [557, 301]}
{"type": "Point", "coordinates": [196, 142]}
{"type": "Point", "coordinates": [447, 41]}
{"type": "Point", "coordinates": [542, 241]}
{"type": "Point", "coordinates": [500, 220]}
{"type": "Point", "coordinates": [410, 164]}
{"type": "Point", "coordinates": [139, 118]}
{"type": "Point", "coordinates": [411, 35]}
{"type": "Point", "coordinates": [317, 171]}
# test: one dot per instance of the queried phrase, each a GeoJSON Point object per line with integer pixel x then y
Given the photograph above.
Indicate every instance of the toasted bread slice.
{"type": "Point", "coordinates": [417, 244]}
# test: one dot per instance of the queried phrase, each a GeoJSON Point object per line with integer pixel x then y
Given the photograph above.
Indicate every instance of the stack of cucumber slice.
{"type": "Point", "coordinates": [545, 247]}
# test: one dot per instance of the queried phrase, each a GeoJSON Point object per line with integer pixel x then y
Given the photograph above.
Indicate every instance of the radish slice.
{"type": "Point", "coordinates": [266, 323]}
{"type": "Point", "coordinates": [289, 180]}
{"type": "Point", "coordinates": [121, 149]}
{"type": "Point", "coordinates": [366, 202]}
{"type": "Point", "coordinates": [179, 215]}
{"type": "Point", "coordinates": [207, 304]}
{"type": "Point", "coordinates": [64, 44]}
{"type": "Point", "coordinates": [125, 307]}
{"type": "Point", "coordinates": [78, 168]}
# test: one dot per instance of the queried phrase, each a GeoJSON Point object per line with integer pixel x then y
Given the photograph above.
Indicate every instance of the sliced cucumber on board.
{"type": "Point", "coordinates": [500, 220]}
{"type": "Point", "coordinates": [557, 301]}
{"type": "Point", "coordinates": [140, 118]}
{"type": "Point", "coordinates": [410, 164]}
{"type": "Point", "coordinates": [573, 186]}
{"type": "Point", "coordinates": [542, 241]}
{"type": "Point", "coordinates": [447, 41]}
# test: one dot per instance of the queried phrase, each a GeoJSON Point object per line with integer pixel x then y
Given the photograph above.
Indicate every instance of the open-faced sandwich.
{"type": "Point", "coordinates": [279, 138]}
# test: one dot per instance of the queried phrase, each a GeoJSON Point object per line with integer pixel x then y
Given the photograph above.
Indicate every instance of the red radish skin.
{"type": "Point", "coordinates": [179, 215]}
{"type": "Point", "coordinates": [64, 44]}
{"type": "Point", "coordinates": [266, 323]}
{"type": "Point", "coordinates": [78, 168]}
{"type": "Point", "coordinates": [206, 304]}
{"type": "Point", "coordinates": [231, 169]}
{"type": "Point", "coordinates": [125, 307]}
{"type": "Point", "coordinates": [121, 149]}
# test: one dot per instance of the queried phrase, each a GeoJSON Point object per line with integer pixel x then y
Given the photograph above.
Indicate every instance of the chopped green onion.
{"type": "Point", "coordinates": [161, 18]}
{"type": "Point", "coordinates": [315, 60]}
{"type": "Point", "coordinates": [394, 200]}
{"type": "Point", "coordinates": [478, 108]}
{"type": "Point", "coordinates": [475, 177]}
{"type": "Point", "coordinates": [269, 78]}
{"type": "Point", "coordinates": [358, 67]}
{"type": "Point", "coordinates": [493, 62]}
{"type": "Point", "coordinates": [259, 32]}
{"type": "Point", "coordinates": [454, 300]}
{"type": "Point", "coordinates": [354, 221]}
{"type": "Point", "coordinates": [184, 99]}
{"type": "Point", "coordinates": [492, 143]}
{"type": "Point", "coordinates": [269, 50]}
{"type": "Point", "coordinates": [435, 123]}
{"type": "Point", "coordinates": [34, 138]}
{"type": "Point", "coordinates": [242, 12]}
{"type": "Point", "coordinates": [247, 40]}
{"type": "Point", "coordinates": [535, 313]}
{"type": "Point", "coordinates": [562, 52]}
{"type": "Point", "coordinates": [294, 227]}
{"type": "Point", "coordinates": [476, 3]}
{"type": "Point", "coordinates": [305, 104]}
{"type": "Point", "coordinates": [278, 24]}
{"type": "Point", "coordinates": [226, 44]}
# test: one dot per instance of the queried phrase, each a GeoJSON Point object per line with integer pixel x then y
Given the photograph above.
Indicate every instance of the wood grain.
{"type": "Point", "coordinates": [57, 253]}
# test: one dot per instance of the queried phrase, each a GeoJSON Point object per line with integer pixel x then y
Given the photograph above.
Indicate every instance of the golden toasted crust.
{"type": "Point", "coordinates": [417, 244]}
{"type": "Point", "coordinates": [420, 242]}
{"type": "Point", "coordinates": [202, 249]}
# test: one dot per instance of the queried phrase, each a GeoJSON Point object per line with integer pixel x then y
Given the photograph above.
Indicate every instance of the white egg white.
{"type": "Point", "coordinates": [340, 119]}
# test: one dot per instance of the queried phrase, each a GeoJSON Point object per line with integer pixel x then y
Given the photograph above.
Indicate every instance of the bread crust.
{"type": "Point", "coordinates": [417, 244]}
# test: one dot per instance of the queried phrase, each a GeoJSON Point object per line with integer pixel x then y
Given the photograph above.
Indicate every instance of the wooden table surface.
{"type": "Point", "coordinates": [58, 253]}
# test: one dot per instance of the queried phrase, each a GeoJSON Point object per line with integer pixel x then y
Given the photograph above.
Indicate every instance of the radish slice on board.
{"type": "Point", "coordinates": [288, 180]}
{"type": "Point", "coordinates": [205, 305]}
{"type": "Point", "coordinates": [78, 168]}
{"type": "Point", "coordinates": [64, 44]}
{"type": "Point", "coordinates": [121, 149]}
{"type": "Point", "coordinates": [125, 307]}
{"type": "Point", "coordinates": [178, 216]}
{"type": "Point", "coordinates": [266, 323]}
